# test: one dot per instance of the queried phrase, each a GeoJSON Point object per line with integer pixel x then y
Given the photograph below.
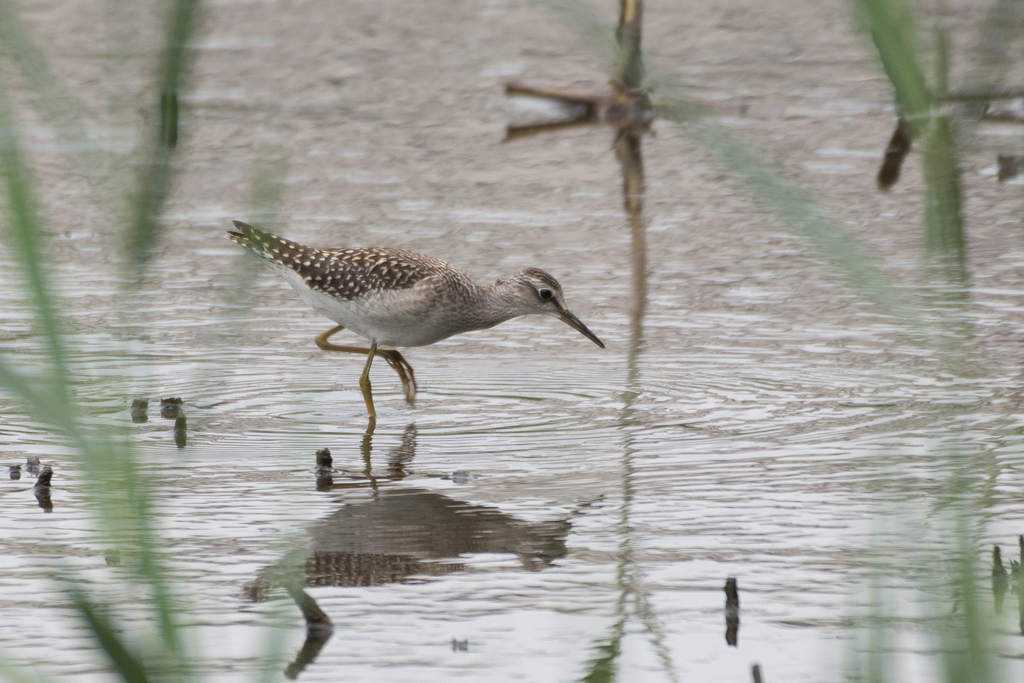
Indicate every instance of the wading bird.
{"type": "Point", "coordinates": [396, 297]}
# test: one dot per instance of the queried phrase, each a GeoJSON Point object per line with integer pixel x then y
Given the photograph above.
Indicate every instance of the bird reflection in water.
{"type": "Point", "coordinates": [398, 534]}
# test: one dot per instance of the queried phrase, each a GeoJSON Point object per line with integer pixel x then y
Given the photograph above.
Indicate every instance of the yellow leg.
{"type": "Point", "coordinates": [394, 359]}
{"type": "Point", "coordinates": [364, 384]}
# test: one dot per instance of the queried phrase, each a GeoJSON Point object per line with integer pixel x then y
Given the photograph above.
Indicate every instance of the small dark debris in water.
{"type": "Point", "coordinates": [324, 459]}
{"type": "Point", "coordinates": [44, 478]}
{"type": "Point", "coordinates": [460, 645]}
{"type": "Point", "coordinates": [16, 472]}
{"type": "Point", "coordinates": [180, 431]}
{"type": "Point", "coordinates": [897, 151]}
{"type": "Point", "coordinates": [461, 477]}
{"type": "Point", "coordinates": [42, 489]}
{"type": "Point", "coordinates": [32, 465]}
{"type": "Point", "coordinates": [324, 470]}
{"type": "Point", "coordinates": [139, 408]}
{"type": "Point", "coordinates": [732, 612]}
{"type": "Point", "coordinates": [112, 556]}
{"type": "Point", "coordinates": [171, 407]}
{"type": "Point", "coordinates": [1010, 166]}
{"type": "Point", "coordinates": [1000, 580]}
{"type": "Point", "coordinates": [756, 673]}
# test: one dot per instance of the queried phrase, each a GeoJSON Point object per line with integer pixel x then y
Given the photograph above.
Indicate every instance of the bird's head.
{"type": "Point", "coordinates": [538, 293]}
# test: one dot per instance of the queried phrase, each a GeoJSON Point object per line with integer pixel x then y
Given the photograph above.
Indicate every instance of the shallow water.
{"type": "Point", "coordinates": [754, 420]}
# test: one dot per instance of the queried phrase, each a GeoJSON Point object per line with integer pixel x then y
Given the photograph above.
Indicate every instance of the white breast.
{"type": "Point", "coordinates": [401, 317]}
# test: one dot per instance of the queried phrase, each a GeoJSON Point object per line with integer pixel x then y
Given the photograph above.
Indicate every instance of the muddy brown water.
{"type": "Point", "coordinates": [770, 427]}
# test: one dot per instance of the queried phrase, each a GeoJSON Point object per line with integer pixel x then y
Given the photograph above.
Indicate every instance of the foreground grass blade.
{"type": "Point", "coordinates": [602, 667]}
{"type": "Point", "coordinates": [125, 663]}
{"type": "Point", "coordinates": [52, 98]}
{"type": "Point", "coordinates": [966, 654]}
{"type": "Point", "coordinates": [943, 216]}
{"type": "Point", "coordinates": [595, 34]}
{"type": "Point", "coordinates": [891, 30]}
{"type": "Point", "coordinates": [120, 500]}
{"type": "Point", "coordinates": [15, 674]}
{"type": "Point", "coordinates": [766, 180]}
{"type": "Point", "coordinates": [944, 225]}
{"type": "Point", "coordinates": [799, 213]}
{"type": "Point", "coordinates": [267, 199]}
{"type": "Point", "coordinates": [156, 173]}
{"type": "Point", "coordinates": [629, 67]}
{"type": "Point", "coordinates": [24, 230]}
{"type": "Point", "coordinates": [991, 62]}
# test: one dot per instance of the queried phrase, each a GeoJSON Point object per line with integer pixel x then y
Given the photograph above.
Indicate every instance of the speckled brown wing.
{"type": "Point", "coordinates": [341, 273]}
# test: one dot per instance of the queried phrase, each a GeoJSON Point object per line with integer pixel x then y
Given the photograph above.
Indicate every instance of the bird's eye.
{"type": "Point", "coordinates": [545, 294]}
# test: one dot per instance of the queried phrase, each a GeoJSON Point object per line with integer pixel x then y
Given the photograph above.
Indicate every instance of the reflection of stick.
{"type": "Point", "coordinates": [628, 152]}
{"type": "Point", "coordinates": [895, 153]}
{"type": "Point", "coordinates": [588, 110]}
{"type": "Point", "coordinates": [565, 96]}
{"type": "Point", "coordinates": [515, 132]}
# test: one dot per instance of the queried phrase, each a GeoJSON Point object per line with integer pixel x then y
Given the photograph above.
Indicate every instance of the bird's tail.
{"type": "Point", "coordinates": [253, 239]}
{"type": "Point", "coordinates": [278, 252]}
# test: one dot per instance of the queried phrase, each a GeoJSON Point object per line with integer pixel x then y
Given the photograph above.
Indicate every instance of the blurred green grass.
{"type": "Point", "coordinates": [121, 498]}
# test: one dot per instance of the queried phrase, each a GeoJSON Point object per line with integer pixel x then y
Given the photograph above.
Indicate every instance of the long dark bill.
{"type": "Point", "coordinates": [572, 321]}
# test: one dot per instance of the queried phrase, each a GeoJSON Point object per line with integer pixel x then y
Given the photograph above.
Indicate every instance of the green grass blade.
{"type": "Point", "coordinates": [889, 23]}
{"type": "Point", "coordinates": [125, 663]}
{"type": "Point", "coordinates": [19, 674]}
{"type": "Point", "coordinates": [52, 98]}
{"type": "Point", "coordinates": [272, 654]}
{"type": "Point", "coordinates": [47, 407]}
{"type": "Point", "coordinates": [991, 62]}
{"type": "Point", "coordinates": [944, 224]}
{"type": "Point", "coordinates": [766, 180]}
{"type": "Point", "coordinates": [25, 230]}
{"type": "Point", "coordinates": [291, 572]}
{"type": "Point", "coordinates": [941, 83]}
{"type": "Point", "coordinates": [943, 216]}
{"type": "Point", "coordinates": [602, 666]}
{"type": "Point", "coordinates": [268, 187]}
{"type": "Point", "coordinates": [53, 403]}
{"type": "Point", "coordinates": [156, 172]}
{"type": "Point", "coordinates": [595, 34]}
{"type": "Point", "coordinates": [104, 462]}
{"type": "Point", "coordinates": [629, 65]}
{"type": "Point", "coordinates": [120, 500]}
{"type": "Point", "coordinates": [967, 656]}
{"type": "Point", "coordinates": [785, 199]}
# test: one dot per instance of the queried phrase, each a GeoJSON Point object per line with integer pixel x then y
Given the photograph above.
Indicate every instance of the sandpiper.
{"type": "Point", "coordinates": [396, 297]}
